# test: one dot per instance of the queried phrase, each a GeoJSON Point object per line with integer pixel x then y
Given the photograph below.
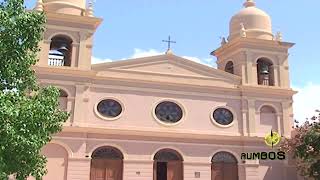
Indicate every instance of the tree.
{"type": "Point", "coordinates": [305, 147]}
{"type": "Point", "coordinates": [29, 114]}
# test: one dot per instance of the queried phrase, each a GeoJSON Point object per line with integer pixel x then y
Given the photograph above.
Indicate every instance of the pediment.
{"type": "Point", "coordinates": [166, 65]}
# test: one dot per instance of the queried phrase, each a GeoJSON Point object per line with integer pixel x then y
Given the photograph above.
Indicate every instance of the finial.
{"type": "Point", "coordinates": [223, 41]}
{"type": "Point", "coordinates": [278, 36]}
{"type": "Point", "coordinates": [90, 11]}
{"type": "Point", "coordinates": [39, 5]}
{"type": "Point", "coordinates": [242, 30]}
{"type": "Point", "coordinates": [169, 51]}
{"type": "Point", "coordinates": [249, 3]}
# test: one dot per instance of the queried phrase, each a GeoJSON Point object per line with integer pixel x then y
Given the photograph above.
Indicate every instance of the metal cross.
{"type": "Point", "coordinates": [169, 42]}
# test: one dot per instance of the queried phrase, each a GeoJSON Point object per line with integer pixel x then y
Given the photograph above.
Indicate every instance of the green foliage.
{"type": "Point", "coordinates": [29, 115]}
{"type": "Point", "coordinates": [305, 147]}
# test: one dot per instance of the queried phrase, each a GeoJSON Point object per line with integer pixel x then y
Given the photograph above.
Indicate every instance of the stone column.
{"type": "Point", "coordinates": [78, 105]}
{"type": "Point", "coordinates": [44, 53]}
{"type": "Point", "coordinates": [252, 117]}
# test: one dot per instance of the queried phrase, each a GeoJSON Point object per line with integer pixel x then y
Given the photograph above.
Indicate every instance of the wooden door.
{"type": "Point", "coordinates": [217, 171]}
{"type": "Point", "coordinates": [230, 171]}
{"type": "Point", "coordinates": [106, 169]}
{"type": "Point", "coordinates": [224, 171]}
{"type": "Point", "coordinates": [97, 171]}
{"type": "Point", "coordinates": [174, 170]}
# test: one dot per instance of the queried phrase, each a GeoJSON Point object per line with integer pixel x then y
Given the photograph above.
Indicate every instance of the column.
{"type": "Point", "coordinates": [252, 117]}
{"type": "Point", "coordinates": [44, 53]}
{"type": "Point", "coordinates": [83, 61]}
{"type": "Point", "coordinates": [287, 118]}
{"type": "Point", "coordinates": [78, 105]}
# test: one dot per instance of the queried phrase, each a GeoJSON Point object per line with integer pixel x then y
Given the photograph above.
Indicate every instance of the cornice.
{"type": "Point", "coordinates": [243, 42]}
{"type": "Point", "coordinates": [267, 90]}
{"type": "Point", "coordinates": [67, 18]}
{"type": "Point", "coordinates": [182, 134]}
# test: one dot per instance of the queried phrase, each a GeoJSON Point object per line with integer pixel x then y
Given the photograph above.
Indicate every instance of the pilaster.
{"type": "Point", "coordinates": [252, 117]}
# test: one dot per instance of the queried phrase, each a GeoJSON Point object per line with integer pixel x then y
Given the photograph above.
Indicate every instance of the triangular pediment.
{"type": "Point", "coordinates": [169, 65]}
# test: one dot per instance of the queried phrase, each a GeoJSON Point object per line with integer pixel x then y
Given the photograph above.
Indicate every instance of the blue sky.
{"type": "Point", "coordinates": [133, 28]}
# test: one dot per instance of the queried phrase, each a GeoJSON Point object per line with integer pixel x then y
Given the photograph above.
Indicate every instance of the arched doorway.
{"type": "Point", "coordinates": [106, 164]}
{"type": "Point", "coordinates": [224, 167]}
{"type": "Point", "coordinates": [168, 165]}
{"type": "Point", "coordinates": [57, 164]}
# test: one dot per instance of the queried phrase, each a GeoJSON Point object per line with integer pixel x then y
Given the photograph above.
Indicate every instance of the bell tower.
{"type": "Point", "coordinates": [252, 51]}
{"type": "Point", "coordinates": [69, 33]}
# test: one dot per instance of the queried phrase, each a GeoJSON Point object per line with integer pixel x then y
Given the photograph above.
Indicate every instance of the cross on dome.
{"type": "Point", "coordinates": [249, 3]}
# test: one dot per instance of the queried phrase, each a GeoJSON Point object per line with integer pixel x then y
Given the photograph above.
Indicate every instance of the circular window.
{"type": "Point", "coordinates": [109, 108]}
{"type": "Point", "coordinates": [223, 116]}
{"type": "Point", "coordinates": [168, 112]}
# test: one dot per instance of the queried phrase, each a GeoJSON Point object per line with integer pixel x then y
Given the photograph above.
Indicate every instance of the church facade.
{"type": "Point", "coordinates": [165, 117]}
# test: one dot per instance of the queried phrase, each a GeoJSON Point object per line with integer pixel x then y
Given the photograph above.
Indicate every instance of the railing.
{"type": "Point", "coordinates": [55, 61]}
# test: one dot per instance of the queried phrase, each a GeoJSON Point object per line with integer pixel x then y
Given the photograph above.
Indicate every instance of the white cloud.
{"type": "Point", "coordinates": [138, 53]}
{"type": "Point", "coordinates": [95, 60]}
{"type": "Point", "coordinates": [207, 61]}
{"type": "Point", "coordinates": [306, 101]}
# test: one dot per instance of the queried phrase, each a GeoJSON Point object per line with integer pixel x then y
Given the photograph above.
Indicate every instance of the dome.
{"type": "Point", "coordinates": [256, 23]}
{"type": "Point", "coordinates": [73, 7]}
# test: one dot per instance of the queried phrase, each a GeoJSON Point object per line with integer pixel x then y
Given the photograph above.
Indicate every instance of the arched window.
{"type": "Point", "coordinates": [60, 51]}
{"type": "Point", "coordinates": [229, 67]}
{"type": "Point", "coordinates": [168, 165]}
{"type": "Point", "coordinates": [224, 167]}
{"type": "Point", "coordinates": [106, 163]}
{"type": "Point", "coordinates": [268, 120]}
{"type": "Point", "coordinates": [265, 72]}
{"type": "Point", "coordinates": [63, 100]}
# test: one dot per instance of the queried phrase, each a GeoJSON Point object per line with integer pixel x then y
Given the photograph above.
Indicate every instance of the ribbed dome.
{"type": "Point", "coordinates": [257, 23]}
{"type": "Point", "coordinates": [74, 7]}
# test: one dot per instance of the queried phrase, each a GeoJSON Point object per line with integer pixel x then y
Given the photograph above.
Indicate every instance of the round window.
{"type": "Point", "coordinates": [223, 116]}
{"type": "Point", "coordinates": [109, 108]}
{"type": "Point", "coordinates": [168, 112]}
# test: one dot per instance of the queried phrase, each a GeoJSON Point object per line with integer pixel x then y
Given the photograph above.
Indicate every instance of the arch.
{"type": "Point", "coordinates": [74, 40]}
{"type": "Point", "coordinates": [66, 147]}
{"type": "Point", "coordinates": [269, 58]}
{"type": "Point", "coordinates": [224, 156]}
{"type": "Point", "coordinates": [169, 148]}
{"type": "Point", "coordinates": [267, 119]}
{"type": "Point", "coordinates": [167, 164]}
{"type": "Point", "coordinates": [107, 152]}
{"type": "Point", "coordinates": [224, 166]}
{"type": "Point", "coordinates": [123, 152]}
{"type": "Point", "coordinates": [235, 155]}
{"type": "Point", "coordinates": [265, 73]}
{"type": "Point", "coordinates": [57, 165]}
{"type": "Point", "coordinates": [275, 108]}
{"type": "Point", "coordinates": [229, 67]}
{"type": "Point", "coordinates": [168, 155]}
{"type": "Point", "coordinates": [60, 53]}
{"type": "Point", "coordinates": [106, 163]}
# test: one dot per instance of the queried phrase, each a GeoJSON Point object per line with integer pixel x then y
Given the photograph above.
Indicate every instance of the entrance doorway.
{"type": "Point", "coordinates": [168, 165]}
{"type": "Point", "coordinates": [224, 167]}
{"type": "Point", "coordinates": [106, 164]}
